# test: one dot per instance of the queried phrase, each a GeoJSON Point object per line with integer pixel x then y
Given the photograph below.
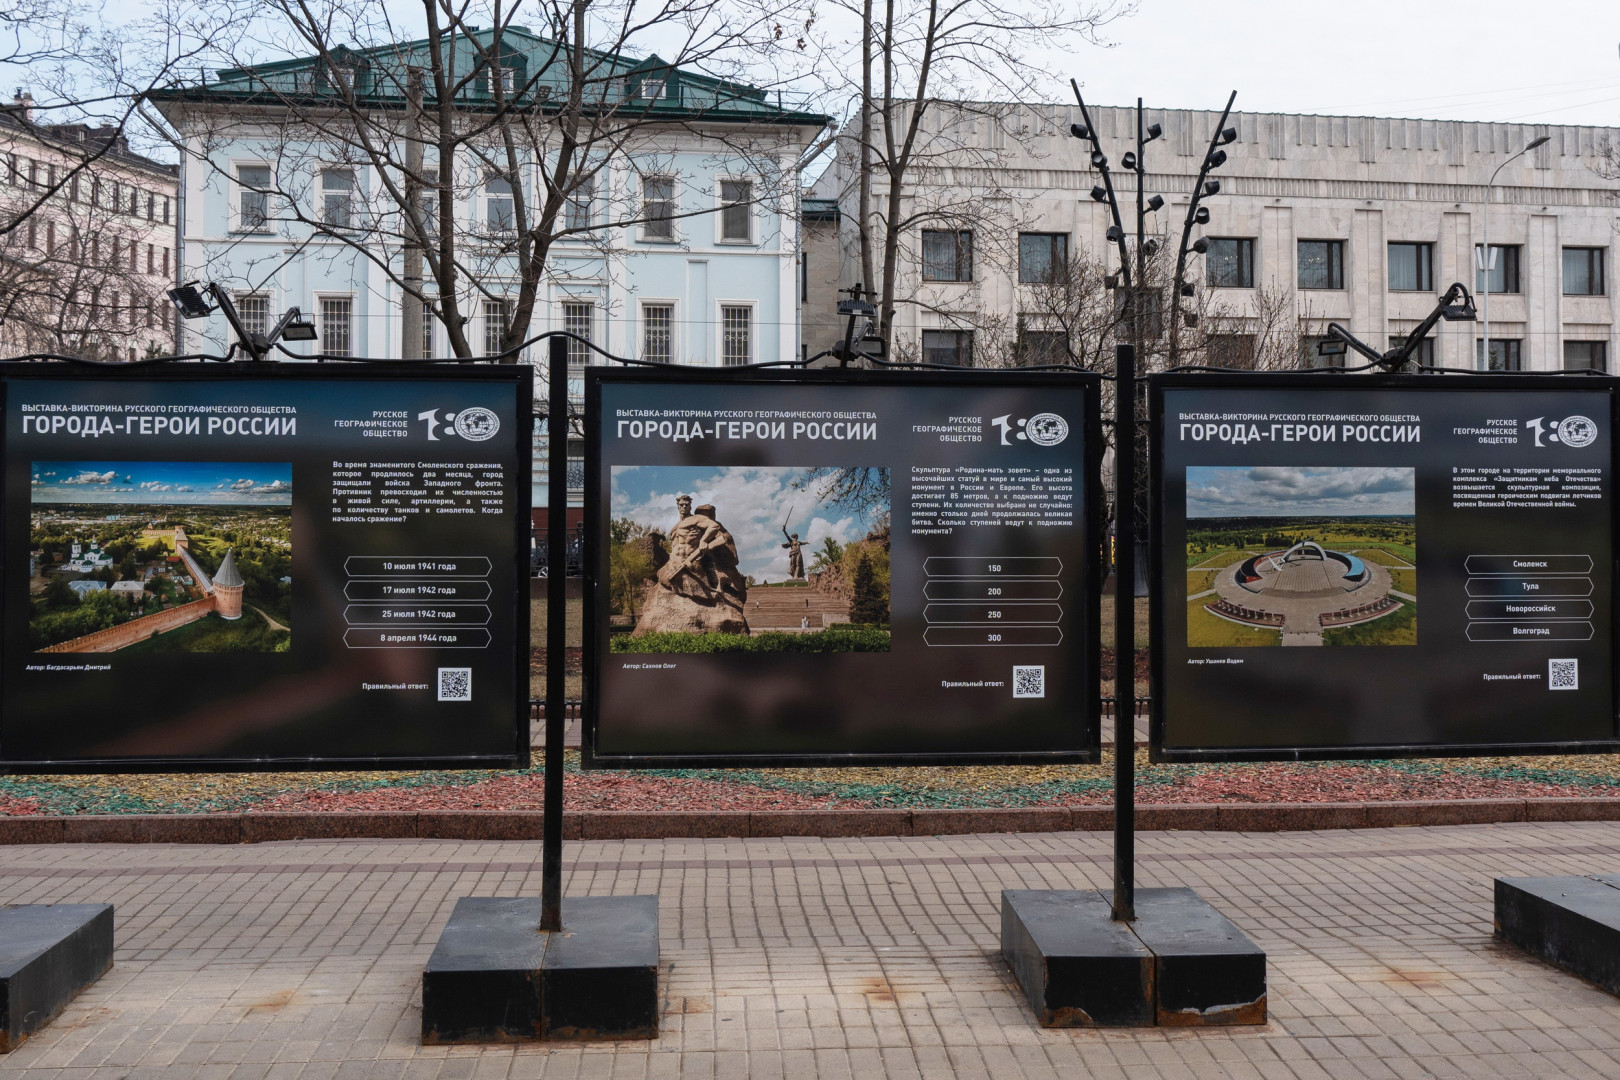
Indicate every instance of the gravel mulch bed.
{"type": "Point", "coordinates": [813, 789]}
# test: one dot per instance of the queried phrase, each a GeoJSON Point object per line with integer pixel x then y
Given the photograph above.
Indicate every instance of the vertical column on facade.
{"type": "Point", "coordinates": [1369, 299]}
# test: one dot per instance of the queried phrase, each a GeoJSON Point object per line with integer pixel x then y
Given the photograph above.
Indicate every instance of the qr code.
{"type": "Point", "coordinates": [1029, 681]}
{"type": "Point", "coordinates": [455, 684]}
{"type": "Point", "coordinates": [1563, 675]}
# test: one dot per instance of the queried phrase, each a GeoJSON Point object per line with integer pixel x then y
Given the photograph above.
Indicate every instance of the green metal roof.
{"type": "Point", "coordinates": [539, 79]}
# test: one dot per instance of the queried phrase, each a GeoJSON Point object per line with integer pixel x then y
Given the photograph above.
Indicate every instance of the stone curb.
{"type": "Point", "coordinates": [256, 828]}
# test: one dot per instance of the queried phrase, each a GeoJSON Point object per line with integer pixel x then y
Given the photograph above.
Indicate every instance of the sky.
{"type": "Point", "coordinates": [1499, 60]}
{"type": "Point", "coordinates": [165, 483]}
{"type": "Point", "coordinates": [750, 502]}
{"type": "Point", "coordinates": [1222, 491]}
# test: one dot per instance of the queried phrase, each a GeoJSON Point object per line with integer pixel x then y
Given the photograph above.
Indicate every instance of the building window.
{"type": "Point", "coordinates": [1321, 264]}
{"type": "Point", "coordinates": [1503, 269]}
{"type": "Point", "coordinates": [576, 466]}
{"type": "Point", "coordinates": [736, 211]}
{"type": "Point", "coordinates": [736, 334]}
{"type": "Point", "coordinates": [577, 213]}
{"type": "Point", "coordinates": [657, 330]}
{"type": "Point", "coordinates": [652, 89]}
{"type": "Point", "coordinates": [947, 255]}
{"type": "Point", "coordinates": [1231, 350]}
{"type": "Point", "coordinates": [577, 319]}
{"type": "Point", "coordinates": [496, 315]}
{"type": "Point", "coordinates": [165, 209]}
{"type": "Point", "coordinates": [151, 205]}
{"type": "Point", "coordinates": [1506, 354]}
{"type": "Point", "coordinates": [951, 348]}
{"type": "Point", "coordinates": [253, 198]}
{"type": "Point", "coordinates": [1230, 263]}
{"type": "Point", "coordinates": [1586, 355]}
{"type": "Point", "coordinates": [151, 256]}
{"type": "Point", "coordinates": [500, 208]}
{"type": "Point", "coordinates": [1038, 347]}
{"type": "Point", "coordinates": [427, 330]}
{"type": "Point", "coordinates": [428, 204]}
{"type": "Point", "coordinates": [1411, 267]}
{"type": "Point", "coordinates": [337, 198]}
{"type": "Point", "coordinates": [337, 317]}
{"type": "Point", "coordinates": [1043, 258]}
{"type": "Point", "coordinates": [658, 208]}
{"type": "Point", "coordinates": [499, 78]}
{"type": "Point", "coordinates": [1422, 355]}
{"type": "Point", "coordinates": [255, 313]}
{"type": "Point", "coordinates": [165, 262]}
{"type": "Point", "coordinates": [1583, 271]}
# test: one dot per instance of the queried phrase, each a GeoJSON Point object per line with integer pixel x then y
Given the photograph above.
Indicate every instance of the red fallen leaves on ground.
{"type": "Point", "coordinates": [11, 806]}
{"type": "Point", "coordinates": [594, 792]}
{"type": "Point", "coordinates": [1287, 784]}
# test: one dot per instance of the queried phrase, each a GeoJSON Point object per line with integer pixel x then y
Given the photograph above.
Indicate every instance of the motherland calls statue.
{"type": "Point", "coordinates": [795, 550]}
{"type": "Point", "coordinates": [698, 589]}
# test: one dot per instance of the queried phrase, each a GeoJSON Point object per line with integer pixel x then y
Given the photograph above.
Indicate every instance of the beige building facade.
{"type": "Point", "coordinates": [1359, 220]}
{"type": "Point", "coordinates": [85, 268]}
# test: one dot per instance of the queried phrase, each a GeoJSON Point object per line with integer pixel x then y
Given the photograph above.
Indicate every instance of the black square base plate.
{"type": "Point", "coordinates": [1572, 922]}
{"type": "Point", "coordinates": [494, 977]}
{"type": "Point", "coordinates": [1180, 963]}
{"type": "Point", "coordinates": [48, 953]}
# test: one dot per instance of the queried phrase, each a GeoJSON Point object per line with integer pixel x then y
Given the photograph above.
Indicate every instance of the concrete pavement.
{"type": "Point", "coordinates": [809, 957]}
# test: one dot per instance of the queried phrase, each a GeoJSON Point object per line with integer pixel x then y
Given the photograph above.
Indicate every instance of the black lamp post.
{"type": "Point", "coordinates": [194, 302]}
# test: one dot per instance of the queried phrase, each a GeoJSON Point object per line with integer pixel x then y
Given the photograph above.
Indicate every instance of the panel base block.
{"type": "Point", "coordinates": [495, 977]}
{"type": "Point", "coordinates": [48, 953]}
{"type": "Point", "coordinates": [1181, 963]}
{"type": "Point", "coordinates": [1571, 922]}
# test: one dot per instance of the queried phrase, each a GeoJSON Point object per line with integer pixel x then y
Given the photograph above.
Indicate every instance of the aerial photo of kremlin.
{"type": "Point", "coordinates": [160, 557]}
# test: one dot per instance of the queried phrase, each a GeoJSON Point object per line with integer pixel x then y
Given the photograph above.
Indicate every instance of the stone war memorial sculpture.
{"type": "Point", "coordinates": [697, 586]}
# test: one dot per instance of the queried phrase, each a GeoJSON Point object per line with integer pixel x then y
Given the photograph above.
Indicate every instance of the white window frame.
{"type": "Point", "coordinates": [584, 194]}
{"type": "Point", "coordinates": [674, 236]}
{"type": "Point", "coordinates": [324, 344]}
{"type": "Point", "coordinates": [320, 193]}
{"type": "Point", "coordinates": [720, 206]}
{"type": "Point", "coordinates": [720, 307]}
{"type": "Point", "coordinates": [578, 355]}
{"type": "Point", "coordinates": [486, 198]}
{"type": "Point", "coordinates": [674, 307]}
{"type": "Point", "coordinates": [238, 223]}
{"type": "Point", "coordinates": [240, 298]}
{"type": "Point", "coordinates": [484, 323]}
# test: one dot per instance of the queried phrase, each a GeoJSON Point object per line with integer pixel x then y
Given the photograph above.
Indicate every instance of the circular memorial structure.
{"type": "Point", "coordinates": [1301, 591]}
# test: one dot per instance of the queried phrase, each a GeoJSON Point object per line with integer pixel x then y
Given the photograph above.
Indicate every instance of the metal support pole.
{"type": "Point", "coordinates": [556, 629]}
{"type": "Point", "coordinates": [1124, 633]}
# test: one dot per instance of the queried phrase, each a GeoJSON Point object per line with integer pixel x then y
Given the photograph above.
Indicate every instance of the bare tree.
{"type": "Point", "coordinates": [378, 142]}
{"type": "Point", "coordinates": [924, 86]}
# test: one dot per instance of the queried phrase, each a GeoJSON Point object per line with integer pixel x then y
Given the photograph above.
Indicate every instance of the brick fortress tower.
{"type": "Point", "coordinates": [228, 588]}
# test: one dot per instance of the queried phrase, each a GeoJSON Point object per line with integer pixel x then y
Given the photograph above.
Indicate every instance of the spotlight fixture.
{"type": "Point", "coordinates": [1228, 136]}
{"type": "Point", "coordinates": [1153, 132]}
{"type": "Point", "coordinates": [295, 328]}
{"type": "Point", "coordinates": [1099, 193]}
{"type": "Point", "coordinates": [1128, 161]}
{"type": "Point", "coordinates": [1099, 159]}
{"type": "Point", "coordinates": [1187, 289]}
{"type": "Point", "coordinates": [1079, 131]}
{"type": "Point", "coordinates": [1212, 187]}
{"type": "Point", "coordinates": [1150, 248]}
{"type": "Point", "coordinates": [1201, 215]}
{"type": "Point", "coordinates": [1331, 347]}
{"type": "Point", "coordinates": [1155, 202]}
{"type": "Point", "coordinates": [1110, 281]}
{"type": "Point", "coordinates": [1115, 234]}
{"type": "Point", "coordinates": [189, 299]}
{"type": "Point", "coordinates": [1215, 159]}
{"type": "Point", "coordinates": [1200, 245]}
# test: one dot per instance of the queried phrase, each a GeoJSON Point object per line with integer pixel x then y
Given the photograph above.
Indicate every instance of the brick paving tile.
{"type": "Point", "coordinates": [797, 957]}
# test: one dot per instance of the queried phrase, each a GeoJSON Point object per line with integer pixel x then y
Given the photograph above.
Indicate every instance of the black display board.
{"type": "Point", "coordinates": [971, 634]}
{"type": "Point", "coordinates": [258, 566]}
{"type": "Point", "coordinates": [1381, 566]}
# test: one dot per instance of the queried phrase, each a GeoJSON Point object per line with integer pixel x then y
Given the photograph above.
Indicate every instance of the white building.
{"type": "Point", "coordinates": [1360, 220]}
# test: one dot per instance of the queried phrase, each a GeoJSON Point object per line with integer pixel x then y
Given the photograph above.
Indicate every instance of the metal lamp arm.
{"type": "Point", "coordinates": [1108, 184]}
{"type": "Point", "coordinates": [1396, 357]}
{"type": "Point", "coordinates": [1198, 195]}
{"type": "Point", "coordinates": [256, 347]}
{"type": "Point", "coordinates": [1334, 330]}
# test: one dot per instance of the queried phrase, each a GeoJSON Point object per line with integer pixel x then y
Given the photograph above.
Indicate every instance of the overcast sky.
{"type": "Point", "coordinates": [752, 503]}
{"type": "Point", "coordinates": [1297, 492]}
{"type": "Point", "coordinates": [1553, 60]}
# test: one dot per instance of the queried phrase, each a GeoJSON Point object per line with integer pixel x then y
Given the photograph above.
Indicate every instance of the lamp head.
{"type": "Point", "coordinates": [1211, 187]}
{"type": "Point", "coordinates": [191, 302]}
{"type": "Point", "coordinates": [299, 330]}
{"type": "Point", "coordinates": [1228, 136]}
{"type": "Point", "coordinates": [1115, 234]}
{"type": "Point", "coordinates": [1331, 347]}
{"type": "Point", "coordinates": [1079, 131]}
{"type": "Point", "coordinates": [1099, 193]}
{"type": "Point", "coordinates": [1099, 159]}
{"type": "Point", "coordinates": [1200, 245]}
{"type": "Point", "coordinates": [1215, 160]}
{"type": "Point", "coordinates": [1201, 215]}
{"type": "Point", "coordinates": [1153, 132]}
{"type": "Point", "coordinates": [1155, 202]}
{"type": "Point", "coordinates": [1150, 248]}
{"type": "Point", "coordinates": [1533, 143]}
{"type": "Point", "coordinates": [1128, 161]}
